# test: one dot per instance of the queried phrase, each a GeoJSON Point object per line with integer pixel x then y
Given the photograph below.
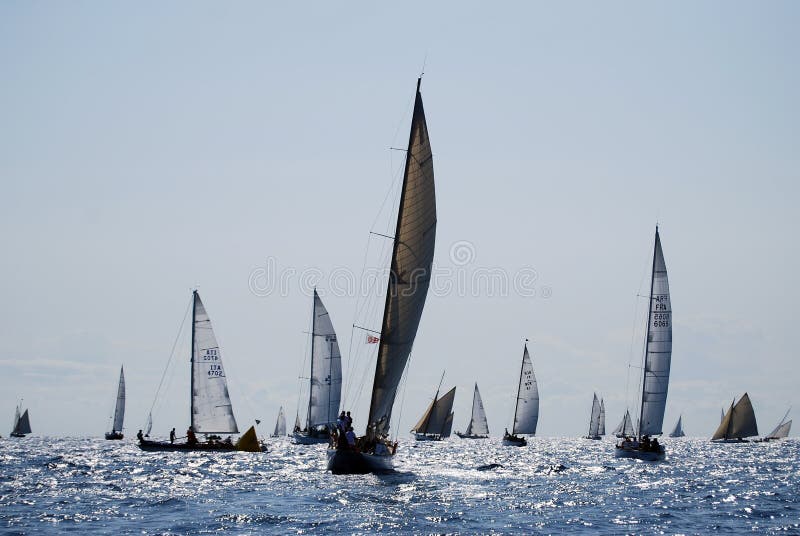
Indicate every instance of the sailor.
{"type": "Point", "coordinates": [341, 423]}
{"type": "Point", "coordinates": [139, 436]}
{"type": "Point", "coordinates": [172, 436]}
{"type": "Point", "coordinates": [191, 439]}
{"type": "Point", "coordinates": [348, 420]}
{"type": "Point", "coordinates": [351, 437]}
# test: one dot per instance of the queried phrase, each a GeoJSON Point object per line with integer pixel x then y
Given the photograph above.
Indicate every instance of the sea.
{"type": "Point", "coordinates": [552, 486]}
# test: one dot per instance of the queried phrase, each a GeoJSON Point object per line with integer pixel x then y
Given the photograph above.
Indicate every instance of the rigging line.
{"type": "Point", "coordinates": [171, 354]}
{"type": "Point", "coordinates": [303, 367]}
{"type": "Point", "coordinates": [403, 380]}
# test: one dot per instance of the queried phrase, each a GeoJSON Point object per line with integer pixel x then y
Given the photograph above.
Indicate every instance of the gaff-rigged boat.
{"type": "Point", "coordinates": [22, 423]}
{"type": "Point", "coordinates": [526, 410]}
{"type": "Point", "coordinates": [211, 409]}
{"type": "Point", "coordinates": [437, 421]}
{"type": "Point", "coordinates": [119, 409]}
{"type": "Point", "coordinates": [594, 419]}
{"type": "Point", "coordinates": [478, 427]}
{"type": "Point", "coordinates": [325, 381]}
{"type": "Point", "coordinates": [625, 427]}
{"type": "Point", "coordinates": [738, 423]}
{"type": "Point", "coordinates": [678, 430]}
{"type": "Point", "coordinates": [657, 359]}
{"type": "Point", "coordinates": [409, 278]}
{"type": "Point", "coordinates": [781, 431]}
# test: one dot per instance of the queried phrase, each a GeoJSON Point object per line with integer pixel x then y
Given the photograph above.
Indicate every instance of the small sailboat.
{"type": "Point", "coordinates": [781, 431]}
{"type": "Point", "coordinates": [738, 423]}
{"type": "Point", "coordinates": [407, 289]}
{"type": "Point", "coordinates": [22, 423]}
{"type": "Point", "coordinates": [601, 430]}
{"type": "Point", "coordinates": [119, 409]}
{"type": "Point", "coordinates": [678, 430]}
{"type": "Point", "coordinates": [325, 381]}
{"type": "Point", "coordinates": [280, 424]}
{"type": "Point", "coordinates": [211, 411]}
{"type": "Point", "coordinates": [594, 419]}
{"type": "Point", "coordinates": [478, 427]}
{"type": "Point", "coordinates": [437, 421]}
{"type": "Point", "coordinates": [625, 427]}
{"type": "Point", "coordinates": [657, 359]}
{"type": "Point", "coordinates": [526, 411]}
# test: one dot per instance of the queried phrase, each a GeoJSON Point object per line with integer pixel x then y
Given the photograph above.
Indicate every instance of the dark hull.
{"type": "Point", "coordinates": [15, 434]}
{"type": "Point", "coordinates": [470, 436]}
{"type": "Point", "coordinates": [165, 446]}
{"type": "Point", "coordinates": [632, 449]}
{"type": "Point", "coordinates": [353, 462]}
{"type": "Point", "coordinates": [114, 435]}
{"type": "Point", "coordinates": [514, 441]}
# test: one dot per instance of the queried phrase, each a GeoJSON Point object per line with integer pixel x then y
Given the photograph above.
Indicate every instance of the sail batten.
{"type": "Point", "coordinates": [526, 415]}
{"type": "Point", "coordinates": [410, 271]}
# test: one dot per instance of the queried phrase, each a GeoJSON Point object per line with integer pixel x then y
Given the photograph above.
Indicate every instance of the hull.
{"type": "Point", "coordinates": [304, 439]}
{"type": "Point", "coordinates": [514, 441]}
{"type": "Point", "coordinates": [114, 435]}
{"type": "Point", "coordinates": [352, 462]}
{"type": "Point", "coordinates": [15, 434]}
{"type": "Point", "coordinates": [738, 440]}
{"type": "Point", "coordinates": [427, 437]}
{"type": "Point", "coordinates": [166, 446]}
{"type": "Point", "coordinates": [470, 436]}
{"type": "Point", "coordinates": [632, 450]}
{"type": "Point", "coordinates": [594, 438]}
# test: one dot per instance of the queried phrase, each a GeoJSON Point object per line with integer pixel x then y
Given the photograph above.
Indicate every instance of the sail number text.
{"type": "Point", "coordinates": [661, 313]}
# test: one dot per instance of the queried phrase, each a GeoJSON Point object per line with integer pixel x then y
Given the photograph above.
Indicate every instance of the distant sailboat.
{"type": "Point", "coordinates": [739, 422]}
{"type": "Point", "coordinates": [526, 410]}
{"type": "Point", "coordinates": [601, 430]}
{"type": "Point", "coordinates": [409, 278]}
{"type": "Point", "coordinates": [280, 424]}
{"type": "Point", "coordinates": [594, 419]}
{"type": "Point", "coordinates": [119, 409]}
{"type": "Point", "coordinates": [781, 431]}
{"type": "Point", "coordinates": [625, 427]}
{"type": "Point", "coordinates": [325, 381]}
{"type": "Point", "coordinates": [211, 411]}
{"type": "Point", "coordinates": [22, 423]}
{"type": "Point", "coordinates": [678, 430]}
{"type": "Point", "coordinates": [433, 425]}
{"type": "Point", "coordinates": [657, 359]}
{"type": "Point", "coordinates": [478, 427]}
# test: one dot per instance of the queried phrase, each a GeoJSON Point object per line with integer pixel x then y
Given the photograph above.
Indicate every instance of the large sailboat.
{"type": "Point", "coordinates": [22, 423]}
{"type": "Point", "coordinates": [437, 421]}
{"type": "Point", "coordinates": [409, 278]}
{"type": "Point", "coordinates": [594, 419]}
{"type": "Point", "coordinates": [526, 409]}
{"type": "Point", "coordinates": [211, 411]}
{"type": "Point", "coordinates": [625, 427]}
{"type": "Point", "coordinates": [325, 381]}
{"type": "Point", "coordinates": [678, 430]}
{"type": "Point", "coordinates": [478, 427]}
{"type": "Point", "coordinates": [280, 424]}
{"type": "Point", "coordinates": [119, 409]}
{"type": "Point", "coordinates": [738, 423]}
{"type": "Point", "coordinates": [781, 431]}
{"type": "Point", "coordinates": [655, 373]}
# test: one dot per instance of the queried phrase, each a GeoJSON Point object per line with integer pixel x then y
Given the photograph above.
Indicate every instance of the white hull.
{"type": "Point", "coordinates": [351, 462]}
{"type": "Point", "coordinates": [304, 439]}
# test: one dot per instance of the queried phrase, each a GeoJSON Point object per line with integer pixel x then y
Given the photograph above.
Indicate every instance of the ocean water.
{"type": "Point", "coordinates": [56, 485]}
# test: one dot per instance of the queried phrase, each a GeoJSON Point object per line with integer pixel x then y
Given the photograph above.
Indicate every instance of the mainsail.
{"type": "Point", "coordinates": [22, 423]}
{"type": "Point", "coordinates": [526, 414]}
{"type": "Point", "coordinates": [594, 418]}
{"type": "Point", "coordinates": [119, 408]}
{"type": "Point", "coordinates": [410, 270]}
{"type": "Point", "coordinates": [326, 369]}
{"type": "Point", "coordinates": [280, 424]}
{"type": "Point", "coordinates": [435, 419]}
{"type": "Point", "coordinates": [658, 354]}
{"type": "Point", "coordinates": [478, 425]}
{"type": "Point", "coordinates": [738, 422]}
{"type": "Point", "coordinates": [678, 430]}
{"type": "Point", "coordinates": [212, 411]}
{"type": "Point", "coordinates": [601, 430]}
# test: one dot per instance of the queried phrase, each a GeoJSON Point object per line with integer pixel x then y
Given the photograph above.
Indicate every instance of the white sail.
{"type": "Point", "coordinates": [722, 415]}
{"type": "Point", "coordinates": [526, 416]}
{"type": "Point", "coordinates": [212, 411]}
{"type": "Point", "coordinates": [280, 424]}
{"type": "Point", "coordinates": [478, 425]}
{"type": "Point", "coordinates": [296, 423]}
{"type": "Point", "coordinates": [410, 271]}
{"type": "Point", "coordinates": [781, 431]}
{"type": "Point", "coordinates": [119, 409]}
{"type": "Point", "coordinates": [601, 430]}
{"type": "Point", "coordinates": [625, 428]}
{"type": "Point", "coordinates": [678, 430]}
{"type": "Point", "coordinates": [594, 418]}
{"type": "Point", "coordinates": [326, 369]}
{"type": "Point", "coordinates": [149, 425]}
{"type": "Point", "coordinates": [738, 422]}
{"type": "Point", "coordinates": [658, 354]}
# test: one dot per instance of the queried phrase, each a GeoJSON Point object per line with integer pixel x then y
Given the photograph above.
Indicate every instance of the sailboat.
{"type": "Point", "coordinates": [22, 423]}
{"type": "Point", "coordinates": [739, 422]}
{"type": "Point", "coordinates": [478, 427]}
{"type": "Point", "coordinates": [409, 278]}
{"type": "Point", "coordinates": [211, 410]}
{"type": "Point", "coordinates": [657, 358]}
{"type": "Point", "coordinates": [678, 430]}
{"type": "Point", "coordinates": [601, 430]}
{"type": "Point", "coordinates": [594, 419]}
{"type": "Point", "coordinates": [526, 410]}
{"type": "Point", "coordinates": [119, 409]}
{"type": "Point", "coordinates": [437, 421]}
{"type": "Point", "coordinates": [325, 381]}
{"type": "Point", "coordinates": [280, 424]}
{"type": "Point", "coordinates": [781, 431]}
{"type": "Point", "coordinates": [625, 427]}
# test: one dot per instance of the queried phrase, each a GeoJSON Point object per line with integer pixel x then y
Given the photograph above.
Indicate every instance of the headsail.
{"type": "Point", "coordinates": [658, 354]}
{"type": "Point", "coordinates": [601, 430]}
{"type": "Point", "coordinates": [119, 409]}
{"type": "Point", "coordinates": [212, 411]}
{"type": "Point", "coordinates": [526, 415]}
{"type": "Point", "coordinates": [478, 425]}
{"type": "Point", "coordinates": [326, 369]}
{"type": "Point", "coordinates": [594, 418]}
{"type": "Point", "coordinates": [410, 270]}
{"type": "Point", "coordinates": [280, 424]}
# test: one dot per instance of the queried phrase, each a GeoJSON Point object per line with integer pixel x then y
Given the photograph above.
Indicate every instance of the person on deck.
{"type": "Point", "coordinates": [139, 436]}
{"type": "Point", "coordinates": [351, 437]}
{"type": "Point", "coordinates": [348, 420]}
{"type": "Point", "coordinates": [341, 423]}
{"type": "Point", "coordinates": [191, 439]}
{"type": "Point", "coordinates": [172, 436]}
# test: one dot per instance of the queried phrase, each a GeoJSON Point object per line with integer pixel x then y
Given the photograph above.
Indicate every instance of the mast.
{"type": "Point", "coordinates": [311, 376]}
{"type": "Point", "coordinates": [519, 386]}
{"type": "Point", "coordinates": [191, 394]}
{"type": "Point", "coordinates": [433, 406]}
{"type": "Point", "coordinates": [647, 336]}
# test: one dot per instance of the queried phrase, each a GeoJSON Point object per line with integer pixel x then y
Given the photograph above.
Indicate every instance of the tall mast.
{"type": "Point", "coordinates": [647, 336]}
{"type": "Point", "coordinates": [519, 386]}
{"type": "Point", "coordinates": [313, 335]}
{"type": "Point", "coordinates": [191, 395]}
{"type": "Point", "coordinates": [433, 406]}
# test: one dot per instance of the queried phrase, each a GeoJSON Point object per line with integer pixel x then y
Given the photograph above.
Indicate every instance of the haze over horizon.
{"type": "Point", "coordinates": [153, 149]}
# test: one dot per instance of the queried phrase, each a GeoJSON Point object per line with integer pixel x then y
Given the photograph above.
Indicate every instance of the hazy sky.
{"type": "Point", "coordinates": [150, 148]}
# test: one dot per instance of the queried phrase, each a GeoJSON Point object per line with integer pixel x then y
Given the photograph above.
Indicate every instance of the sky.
{"type": "Point", "coordinates": [154, 148]}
